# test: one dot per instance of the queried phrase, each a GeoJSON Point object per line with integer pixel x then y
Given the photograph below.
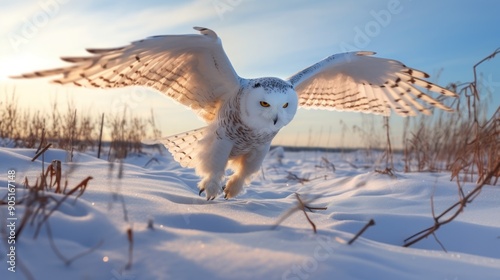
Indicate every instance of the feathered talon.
{"type": "Point", "coordinates": [201, 191]}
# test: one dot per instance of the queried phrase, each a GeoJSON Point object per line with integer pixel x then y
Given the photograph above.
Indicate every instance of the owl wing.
{"type": "Point", "coordinates": [192, 69]}
{"type": "Point", "coordinates": [183, 147]}
{"type": "Point", "coordinates": [357, 81]}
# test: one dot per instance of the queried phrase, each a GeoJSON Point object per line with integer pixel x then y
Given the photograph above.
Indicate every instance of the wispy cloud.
{"type": "Point", "coordinates": [40, 33]}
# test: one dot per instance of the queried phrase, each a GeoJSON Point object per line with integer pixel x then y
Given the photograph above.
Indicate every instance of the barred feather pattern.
{"type": "Point", "coordinates": [358, 82]}
{"type": "Point", "coordinates": [191, 69]}
{"type": "Point", "coordinates": [183, 146]}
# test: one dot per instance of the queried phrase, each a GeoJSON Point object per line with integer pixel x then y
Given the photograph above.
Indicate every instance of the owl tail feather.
{"type": "Point", "coordinates": [182, 146]}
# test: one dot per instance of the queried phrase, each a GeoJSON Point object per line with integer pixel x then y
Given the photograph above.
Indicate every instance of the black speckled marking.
{"type": "Point", "coordinates": [272, 85]}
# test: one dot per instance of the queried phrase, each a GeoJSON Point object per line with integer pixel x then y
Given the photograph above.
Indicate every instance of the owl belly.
{"type": "Point", "coordinates": [246, 140]}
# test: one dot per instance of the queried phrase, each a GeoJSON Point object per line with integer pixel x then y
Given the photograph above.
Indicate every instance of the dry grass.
{"type": "Point", "coordinates": [71, 129]}
{"type": "Point", "coordinates": [467, 142]}
{"type": "Point", "coordinates": [40, 200]}
{"type": "Point", "coordinates": [43, 197]}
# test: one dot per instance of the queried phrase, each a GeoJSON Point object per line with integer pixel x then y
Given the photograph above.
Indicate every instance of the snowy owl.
{"type": "Point", "coordinates": [244, 115]}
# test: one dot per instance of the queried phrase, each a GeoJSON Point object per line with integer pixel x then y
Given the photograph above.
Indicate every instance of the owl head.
{"type": "Point", "coordinates": [268, 104]}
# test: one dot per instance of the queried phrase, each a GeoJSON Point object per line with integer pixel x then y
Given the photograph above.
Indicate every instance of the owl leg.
{"type": "Point", "coordinates": [213, 160]}
{"type": "Point", "coordinates": [244, 167]}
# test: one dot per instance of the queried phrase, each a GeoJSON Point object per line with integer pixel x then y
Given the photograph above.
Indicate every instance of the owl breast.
{"type": "Point", "coordinates": [244, 138]}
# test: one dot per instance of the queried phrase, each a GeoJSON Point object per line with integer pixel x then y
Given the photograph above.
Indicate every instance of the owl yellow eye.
{"type": "Point", "coordinates": [264, 104]}
{"type": "Point", "coordinates": [285, 105]}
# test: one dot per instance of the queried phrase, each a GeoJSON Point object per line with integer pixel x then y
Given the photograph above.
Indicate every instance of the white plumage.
{"type": "Point", "coordinates": [244, 115]}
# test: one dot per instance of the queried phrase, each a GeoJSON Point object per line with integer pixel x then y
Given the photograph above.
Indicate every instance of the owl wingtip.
{"type": "Point", "coordinates": [365, 53]}
{"type": "Point", "coordinates": [206, 31]}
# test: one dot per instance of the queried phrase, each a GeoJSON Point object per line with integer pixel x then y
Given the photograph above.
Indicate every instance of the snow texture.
{"type": "Point", "coordinates": [236, 238]}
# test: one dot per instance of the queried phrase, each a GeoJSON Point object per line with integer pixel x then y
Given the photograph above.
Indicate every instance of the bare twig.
{"type": "Point", "coordinates": [439, 242]}
{"type": "Point", "coordinates": [153, 159]}
{"type": "Point", "coordinates": [24, 269]}
{"type": "Point", "coordinates": [325, 163]}
{"type": "Point", "coordinates": [41, 141]}
{"type": "Point", "coordinates": [387, 171]}
{"type": "Point", "coordinates": [151, 224]}
{"type": "Point", "coordinates": [294, 177]}
{"type": "Point", "coordinates": [370, 223]}
{"type": "Point", "coordinates": [59, 254]}
{"type": "Point", "coordinates": [119, 197]}
{"type": "Point", "coordinates": [458, 207]}
{"type": "Point", "coordinates": [55, 175]}
{"type": "Point", "coordinates": [41, 152]}
{"type": "Point", "coordinates": [301, 205]}
{"type": "Point", "coordinates": [389, 161]}
{"type": "Point", "coordinates": [100, 137]}
{"type": "Point", "coordinates": [130, 237]}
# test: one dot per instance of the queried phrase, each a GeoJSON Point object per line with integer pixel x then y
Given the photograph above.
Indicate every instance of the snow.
{"type": "Point", "coordinates": [238, 238]}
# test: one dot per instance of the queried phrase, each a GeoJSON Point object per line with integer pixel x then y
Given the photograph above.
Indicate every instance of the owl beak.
{"type": "Point", "coordinates": [275, 120]}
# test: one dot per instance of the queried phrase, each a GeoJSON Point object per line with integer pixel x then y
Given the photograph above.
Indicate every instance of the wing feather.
{"type": "Point", "coordinates": [192, 69]}
{"type": "Point", "coordinates": [374, 104]}
{"type": "Point", "coordinates": [182, 146]}
{"type": "Point", "coordinates": [412, 101]}
{"type": "Point", "coordinates": [356, 81]}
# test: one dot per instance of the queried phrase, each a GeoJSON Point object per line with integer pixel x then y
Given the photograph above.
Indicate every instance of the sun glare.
{"type": "Point", "coordinates": [18, 64]}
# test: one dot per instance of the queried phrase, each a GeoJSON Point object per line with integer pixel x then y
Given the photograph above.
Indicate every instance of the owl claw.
{"type": "Point", "coordinates": [225, 193]}
{"type": "Point", "coordinates": [211, 197]}
{"type": "Point", "coordinates": [208, 197]}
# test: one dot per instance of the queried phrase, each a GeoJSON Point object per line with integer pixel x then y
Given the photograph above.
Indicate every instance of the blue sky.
{"type": "Point", "coordinates": [261, 38]}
